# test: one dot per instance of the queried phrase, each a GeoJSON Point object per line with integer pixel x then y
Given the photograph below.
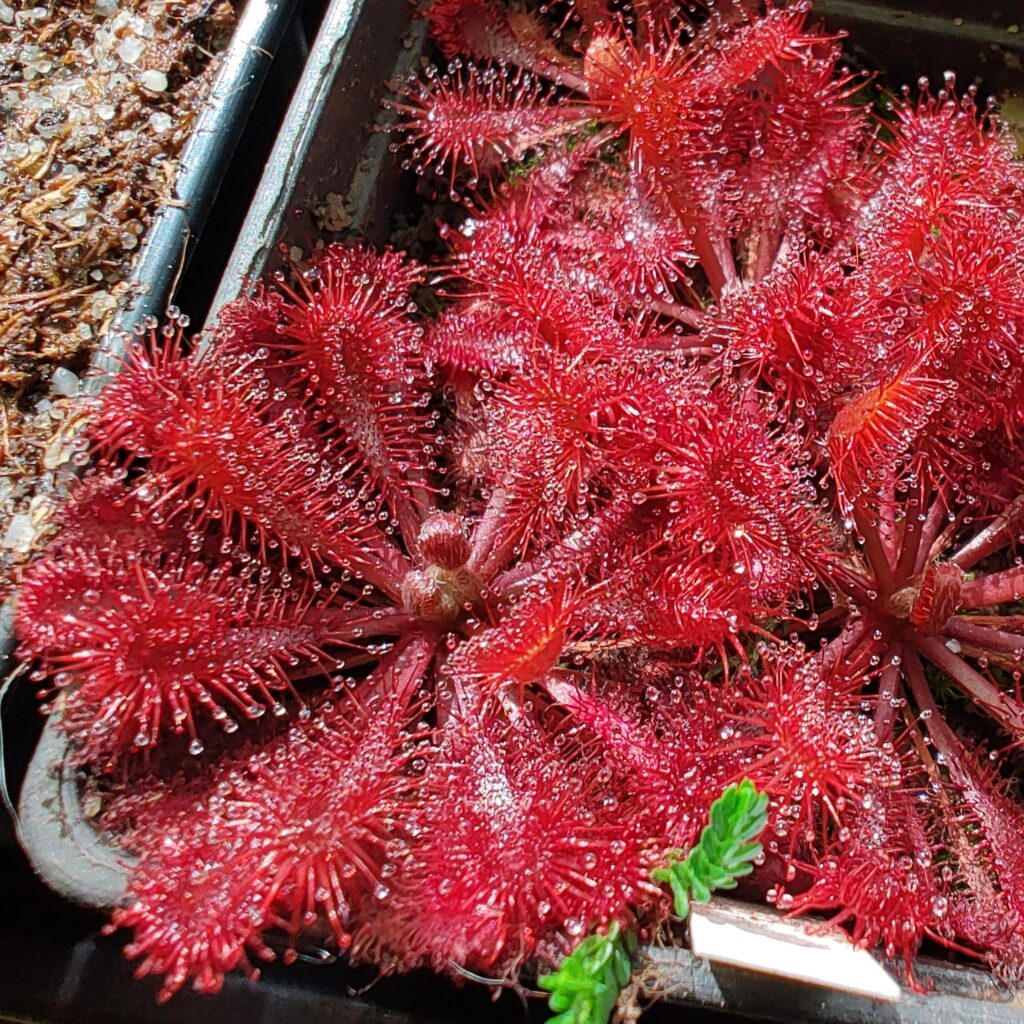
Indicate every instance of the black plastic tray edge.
{"type": "Point", "coordinates": [297, 173]}
{"type": "Point", "coordinates": [201, 169]}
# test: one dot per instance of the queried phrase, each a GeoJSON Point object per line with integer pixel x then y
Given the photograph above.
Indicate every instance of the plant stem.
{"type": "Point", "coordinates": [855, 585]}
{"type": "Point", "coordinates": [715, 257]}
{"type": "Point", "coordinates": [387, 574]}
{"type": "Point", "coordinates": [581, 545]}
{"type": "Point", "coordinates": [922, 694]}
{"type": "Point", "coordinates": [684, 314]}
{"type": "Point", "coordinates": [875, 551]}
{"type": "Point", "coordinates": [964, 628]}
{"type": "Point", "coordinates": [911, 544]}
{"type": "Point", "coordinates": [998, 588]}
{"type": "Point", "coordinates": [1003, 708]}
{"type": "Point", "coordinates": [992, 537]}
{"type": "Point", "coordinates": [408, 521]}
{"type": "Point", "coordinates": [355, 622]}
{"type": "Point", "coordinates": [887, 525]}
{"type": "Point", "coordinates": [943, 532]}
{"type": "Point", "coordinates": [1011, 623]}
{"type": "Point", "coordinates": [486, 533]}
{"type": "Point", "coordinates": [399, 674]}
{"type": "Point", "coordinates": [888, 684]}
{"type": "Point", "coordinates": [765, 254]}
{"type": "Point", "coordinates": [838, 649]}
{"type": "Point", "coordinates": [930, 530]}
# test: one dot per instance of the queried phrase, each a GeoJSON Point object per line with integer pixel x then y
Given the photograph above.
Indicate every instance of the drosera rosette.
{"type": "Point", "coordinates": [672, 493]}
{"type": "Point", "coordinates": [853, 283]}
{"type": "Point", "coordinates": [243, 547]}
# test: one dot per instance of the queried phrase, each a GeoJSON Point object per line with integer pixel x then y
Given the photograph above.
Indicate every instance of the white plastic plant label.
{"type": "Point", "coordinates": [765, 941]}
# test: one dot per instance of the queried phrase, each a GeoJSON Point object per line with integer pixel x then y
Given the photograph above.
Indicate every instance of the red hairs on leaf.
{"type": "Point", "coordinates": [224, 447]}
{"type": "Point", "coordinates": [515, 840]}
{"type": "Point", "coordinates": [274, 837]}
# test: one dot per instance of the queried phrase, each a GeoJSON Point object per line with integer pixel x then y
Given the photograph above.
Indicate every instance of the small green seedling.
{"type": "Point", "coordinates": [587, 983]}
{"type": "Point", "coordinates": [725, 852]}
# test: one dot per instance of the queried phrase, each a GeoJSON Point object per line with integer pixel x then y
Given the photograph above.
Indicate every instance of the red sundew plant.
{"type": "Point", "coordinates": [709, 467]}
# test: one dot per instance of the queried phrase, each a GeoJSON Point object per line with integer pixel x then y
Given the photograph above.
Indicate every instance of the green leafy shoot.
{"type": "Point", "coordinates": [725, 852]}
{"type": "Point", "coordinates": [588, 981]}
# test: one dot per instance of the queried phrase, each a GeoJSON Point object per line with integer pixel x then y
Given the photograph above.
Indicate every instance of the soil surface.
{"type": "Point", "coordinates": [97, 99]}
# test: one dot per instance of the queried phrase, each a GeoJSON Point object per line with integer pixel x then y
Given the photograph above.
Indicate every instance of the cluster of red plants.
{"type": "Point", "coordinates": [710, 467]}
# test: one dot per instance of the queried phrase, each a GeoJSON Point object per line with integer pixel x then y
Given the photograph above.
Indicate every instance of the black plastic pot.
{"type": "Point", "coordinates": [324, 146]}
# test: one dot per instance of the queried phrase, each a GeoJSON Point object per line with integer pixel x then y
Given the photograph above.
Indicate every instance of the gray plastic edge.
{"type": "Point", "coordinates": [66, 851]}
{"type": "Point", "coordinates": [957, 995]}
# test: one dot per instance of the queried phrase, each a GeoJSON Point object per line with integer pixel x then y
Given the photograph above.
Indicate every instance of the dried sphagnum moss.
{"type": "Point", "coordinates": [97, 100]}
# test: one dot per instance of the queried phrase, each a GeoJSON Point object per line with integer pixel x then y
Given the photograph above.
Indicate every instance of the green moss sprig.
{"type": "Point", "coordinates": [725, 852]}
